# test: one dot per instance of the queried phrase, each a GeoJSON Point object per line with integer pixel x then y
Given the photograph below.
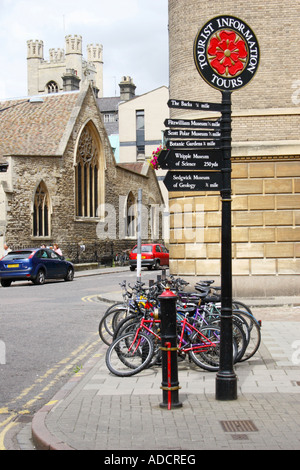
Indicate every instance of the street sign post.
{"type": "Point", "coordinates": [226, 55]}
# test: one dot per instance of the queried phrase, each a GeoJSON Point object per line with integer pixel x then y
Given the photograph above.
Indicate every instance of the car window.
{"type": "Point", "coordinates": [158, 250]}
{"type": "Point", "coordinates": [144, 249]}
{"type": "Point", "coordinates": [147, 248]}
{"type": "Point", "coordinates": [54, 255]}
{"type": "Point", "coordinates": [42, 254]}
{"type": "Point", "coordinates": [17, 255]}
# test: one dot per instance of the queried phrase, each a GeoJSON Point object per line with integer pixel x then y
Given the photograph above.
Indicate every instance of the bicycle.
{"type": "Point", "coordinates": [119, 310]}
{"type": "Point", "coordinates": [133, 351]}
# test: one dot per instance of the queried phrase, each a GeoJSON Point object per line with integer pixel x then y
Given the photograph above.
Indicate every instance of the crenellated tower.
{"type": "Point", "coordinates": [95, 57]}
{"type": "Point", "coordinates": [74, 53]}
{"type": "Point", "coordinates": [48, 76]}
{"type": "Point", "coordinates": [35, 56]}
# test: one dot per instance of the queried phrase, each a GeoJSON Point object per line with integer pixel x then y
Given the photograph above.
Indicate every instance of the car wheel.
{"type": "Point", "coordinates": [70, 275]}
{"type": "Point", "coordinates": [132, 268]}
{"type": "Point", "coordinates": [157, 264]}
{"type": "Point", "coordinates": [40, 278]}
{"type": "Point", "coordinates": [5, 283]}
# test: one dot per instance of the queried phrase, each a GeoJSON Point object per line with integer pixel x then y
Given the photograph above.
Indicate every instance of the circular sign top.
{"type": "Point", "coordinates": [226, 53]}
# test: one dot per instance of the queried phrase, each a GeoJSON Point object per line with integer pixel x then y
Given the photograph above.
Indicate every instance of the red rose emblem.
{"type": "Point", "coordinates": [227, 53]}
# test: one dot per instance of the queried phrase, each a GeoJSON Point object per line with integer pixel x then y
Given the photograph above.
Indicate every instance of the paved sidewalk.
{"type": "Point", "coordinates": [96, 410]}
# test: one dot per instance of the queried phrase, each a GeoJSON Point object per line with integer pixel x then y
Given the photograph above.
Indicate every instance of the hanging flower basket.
{"type": "Point", "coordinates": [154, 159]}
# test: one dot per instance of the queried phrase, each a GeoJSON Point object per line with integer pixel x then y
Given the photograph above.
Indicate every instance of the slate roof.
{"type": "Point", "coordinates": [110, 105]}
{"type": "Point", "coordinates": [35, 128]}
{"type": "Point", "coordinates": [136, 167]}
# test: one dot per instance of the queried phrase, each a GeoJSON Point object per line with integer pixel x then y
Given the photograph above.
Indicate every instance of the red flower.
{"type": "Point", "coordinates": [228, 53]}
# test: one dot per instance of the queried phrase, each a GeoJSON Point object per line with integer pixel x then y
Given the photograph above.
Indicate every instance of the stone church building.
{"type": "Point", "coordinates": [265, 152]}
{"type": "Point", "coordinates": [60, 183]}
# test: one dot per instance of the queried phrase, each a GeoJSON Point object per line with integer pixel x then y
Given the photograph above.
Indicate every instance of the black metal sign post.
{"type": "Point", "coordinates": [226, 55]}
{"type": "Point", "coordinates": [226, 379]}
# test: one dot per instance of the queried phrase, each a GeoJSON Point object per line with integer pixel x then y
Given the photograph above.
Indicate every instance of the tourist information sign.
{"type": "Point", "coordinates": [190, 159]}
{"type": "Point", "coordinates": [226, 53]}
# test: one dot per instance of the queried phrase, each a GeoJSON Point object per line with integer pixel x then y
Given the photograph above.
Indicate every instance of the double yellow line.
{"type": "Point", "coordinates": [79, 354]}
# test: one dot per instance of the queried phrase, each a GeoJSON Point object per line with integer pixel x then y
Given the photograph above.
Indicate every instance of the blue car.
{"type": "Point", "coordinates": [34, 264]}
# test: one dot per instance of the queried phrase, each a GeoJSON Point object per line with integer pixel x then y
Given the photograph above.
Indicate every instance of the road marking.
{"type": "Point", "coordinates": [3, 433]}
{"type": "Point", "coordinates": [90, 298]}
{"type": "Point", "coordinates": [52, 402]}
{"type": "Point", "coordinates": [78, 355]}
{"type": "Point", "coordinates": [105, 295]}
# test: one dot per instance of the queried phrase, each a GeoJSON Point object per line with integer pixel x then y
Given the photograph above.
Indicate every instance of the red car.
{"type": "Point", "coordinates": [152, 254]}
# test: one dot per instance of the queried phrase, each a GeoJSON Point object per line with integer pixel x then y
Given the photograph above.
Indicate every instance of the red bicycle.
{"type": "Point", "coordinates": [138, 347]}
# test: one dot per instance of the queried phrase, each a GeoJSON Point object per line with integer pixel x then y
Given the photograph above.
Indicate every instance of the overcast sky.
{"type": "Point", "coordinates": [134, 35]}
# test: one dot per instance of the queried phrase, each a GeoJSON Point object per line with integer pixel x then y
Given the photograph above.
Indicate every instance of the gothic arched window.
{"type": "Point", "coordinates": [41, 212]}
{"type": "Point", "coordinates": [52, 87]}
{"type": "Point", "coordinates": [88, 173]}
{"type": "Point", "coordinates": [131, 215]}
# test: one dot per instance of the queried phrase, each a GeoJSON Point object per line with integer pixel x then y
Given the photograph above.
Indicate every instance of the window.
{"type": "Point", "coordinates": [87, 173]}
{"type": "Point", "coordinates": [52, 87]}
{"type": "Point", "coordinates": [109, 117]}
{"type": "Point", "coordinates": [41, 212]}
{"type": "Point", "coordinates": [42, 254]}
{"type": "Point", "coordinates": [131, 216]}
{"type": "Point", "coordinates": [140, 133]}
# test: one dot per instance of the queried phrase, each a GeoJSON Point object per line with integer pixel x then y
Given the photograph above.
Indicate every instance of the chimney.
{"type": "Point", "coordinates": [70, 80]}
{"type": "Point", "coordinates": [127, 89]}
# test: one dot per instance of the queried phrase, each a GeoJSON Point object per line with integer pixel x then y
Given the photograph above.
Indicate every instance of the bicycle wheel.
{"type": "Point", "coordinates": [204, 354]}
{"type": "Point", "coordinates": [205, 351]}
{"type": "Point", "coordinates": [129, 323]}
{"type": "Point", "coordinates": [254, 334]}
{"type": "Point", "coordinates": [237, 305]}
{"type": "Point", "coordinates": [129, 354]}
{"type": "Point", "coordinates": [106, 329]}
{"type": "Point", "coordinates": [240, 335]}
{"type": "Point", "coordinates": [120, 314]}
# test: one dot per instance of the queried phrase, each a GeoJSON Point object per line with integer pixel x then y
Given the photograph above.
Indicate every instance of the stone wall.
{"type": "Point", "coordinates": [265, 223]}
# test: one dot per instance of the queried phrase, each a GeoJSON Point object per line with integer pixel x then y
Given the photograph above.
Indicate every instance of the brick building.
{"type": "Point", "coordinates": [59, 181]}
{"type": "Point", "coordinates": [265, 152]}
